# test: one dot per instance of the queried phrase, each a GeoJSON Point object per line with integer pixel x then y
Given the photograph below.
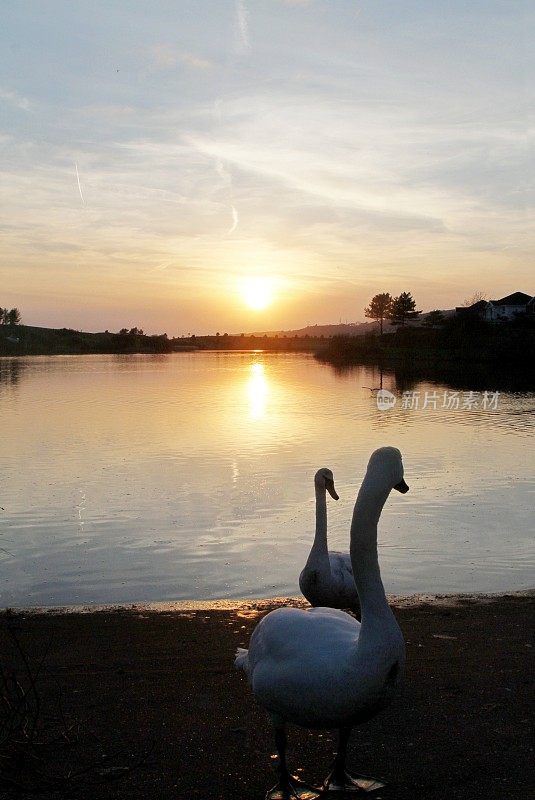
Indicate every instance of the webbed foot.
{"type": "Point", "coordinates": [293, 789]}
{"type": "Point", "coordinates": [345, 783]}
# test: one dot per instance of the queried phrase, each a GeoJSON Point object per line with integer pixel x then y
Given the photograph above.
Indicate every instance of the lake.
{"type": "Point", "coordinates": [140, 478]}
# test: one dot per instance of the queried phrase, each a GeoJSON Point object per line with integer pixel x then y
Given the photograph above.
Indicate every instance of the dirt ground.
{"type": "Point", "coordinates": [147, 704]}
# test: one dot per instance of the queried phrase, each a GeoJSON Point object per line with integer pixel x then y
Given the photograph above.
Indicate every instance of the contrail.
{"type": "Point", "coordinates": [235, 220]}
{"type": "Point", "coordinates": [243, 26]}
{"type": "Point", "coordinates": [79, 186]}
{"type": "Point", "coordinates": [227, 178]}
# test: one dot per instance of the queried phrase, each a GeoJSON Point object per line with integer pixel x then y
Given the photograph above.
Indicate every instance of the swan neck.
{"type": "Point", "coordinates": [371, 498]}
{"type": "Point", "coordinates": [320, 539]}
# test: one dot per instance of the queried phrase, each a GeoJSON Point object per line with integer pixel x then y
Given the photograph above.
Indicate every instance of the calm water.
{"type": "Point", "coordinates": [130, 478]}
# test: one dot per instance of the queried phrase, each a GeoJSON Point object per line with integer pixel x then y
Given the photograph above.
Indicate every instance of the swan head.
{"type": "Point", "coordinates": [386, 464]}
{"type": "Point", "coordinates": [324, 479]}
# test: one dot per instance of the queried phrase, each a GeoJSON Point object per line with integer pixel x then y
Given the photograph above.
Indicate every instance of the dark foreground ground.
{"type": "Point", "coordinates": [144, 704]}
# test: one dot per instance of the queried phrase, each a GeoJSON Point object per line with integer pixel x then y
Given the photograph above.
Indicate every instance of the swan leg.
{"type": "Point", "coordinates": [339, 781]}
{"type": "Point", "coordinates": [288, 787]}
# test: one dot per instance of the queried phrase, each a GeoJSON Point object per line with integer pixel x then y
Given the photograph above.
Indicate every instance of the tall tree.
{"type": "Point", "coordinates": [403, 308]}
{"type": "Point", "coordinates": [379, 308]}
{"type": "Point", "coordinates": [14, 317]}
{"type": "Point", "coordinates": [5, 316]}
{"type": "Point", "coordinates": [1, 316]}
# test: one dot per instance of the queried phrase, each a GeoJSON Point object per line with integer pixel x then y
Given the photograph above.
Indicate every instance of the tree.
{"type": "Point", "coordinates": [434, 318]}
{"type": "Point", "coordinates": [123, 331]}
{"type": "Point", "coordinates": [5, 316]}
{"type": "Point", "coordinates": [475, 298]}
{"type": "Point", "coordinates": [379, 308]}
{"type": "Point", "coordinates": [403, 308]}
{"type": "Point", "coordinates": [13, 316]}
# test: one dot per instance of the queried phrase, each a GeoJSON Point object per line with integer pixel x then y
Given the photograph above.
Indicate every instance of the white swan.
{"type": "Point", "coordinates": [327, 578]}
{"type": "Point", "coordinates": [321, 668]}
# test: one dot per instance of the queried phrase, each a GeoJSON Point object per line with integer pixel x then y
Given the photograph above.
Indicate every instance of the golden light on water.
{"type": "Point", "coordinates": [258, 391]}
{"type": "Point", "coordinates": [258, 292]}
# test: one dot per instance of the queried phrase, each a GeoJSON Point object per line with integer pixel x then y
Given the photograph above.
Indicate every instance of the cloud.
{"type": "Point", "coordinates": [166, 57]}
{"type": "Point", "coordinates": [195, 61]}
{"type": "Point", "coordinates": [16, 99]}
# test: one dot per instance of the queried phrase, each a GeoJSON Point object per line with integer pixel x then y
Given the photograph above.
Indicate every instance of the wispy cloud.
{"type": "Point", "coordinates": [195, 61]}
{"type": "Point", "coordinates": [15, 99]}
{"type": "Point", "coordinates": [165, 56]}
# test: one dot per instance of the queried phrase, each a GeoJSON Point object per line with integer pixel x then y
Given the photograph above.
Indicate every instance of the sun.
{"type": "Point", "coordinates": [257, 292]}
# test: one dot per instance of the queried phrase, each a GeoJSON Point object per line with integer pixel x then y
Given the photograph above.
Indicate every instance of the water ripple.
{"type": "Point", "coordinates": [130, 478]}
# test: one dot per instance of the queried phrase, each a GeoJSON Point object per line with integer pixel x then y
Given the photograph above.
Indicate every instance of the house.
{"type": "Point", "coordinates": [475, 310]}
{"type": "Point", "coordinates": [508, 307]}
{"type": "Point", "coordinates": [504, 309]}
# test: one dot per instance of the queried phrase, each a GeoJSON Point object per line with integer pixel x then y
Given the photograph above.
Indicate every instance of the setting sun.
{"type": "Point", "coordinates": [258, 292]}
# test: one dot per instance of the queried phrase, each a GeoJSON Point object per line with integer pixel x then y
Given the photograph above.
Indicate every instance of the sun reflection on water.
{"type": "Point", "coordinates": [257, 388]}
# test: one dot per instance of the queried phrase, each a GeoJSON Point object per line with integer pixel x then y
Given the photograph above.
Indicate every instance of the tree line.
{"type": "Point", "coordinates": [10, 316]}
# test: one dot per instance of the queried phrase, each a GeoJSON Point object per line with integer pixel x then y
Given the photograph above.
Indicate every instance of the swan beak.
{"type": "Point", "coordinates": [329, 485]}
{"type": "Point", "coordinates": [401, 487]}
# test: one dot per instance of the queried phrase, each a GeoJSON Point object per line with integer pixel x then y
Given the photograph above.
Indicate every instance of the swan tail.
{"type": "Point", "coordinates": [242, 659]}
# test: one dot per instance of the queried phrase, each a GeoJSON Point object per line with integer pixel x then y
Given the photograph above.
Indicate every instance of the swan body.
{"type": "Point", "coordinates": [327, 578]}
{"type": "Point", "coordinates": [329, 680]}
{"type": "Point", "coordinates": [321, 668]}
{"type": "Point", "coordinates": [333, 586]}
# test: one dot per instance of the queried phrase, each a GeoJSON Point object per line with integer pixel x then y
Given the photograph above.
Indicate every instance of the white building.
{"type": "Point", "coordinates": [505, 309]}
{"type": "Point", "coordinates": [508, 307]}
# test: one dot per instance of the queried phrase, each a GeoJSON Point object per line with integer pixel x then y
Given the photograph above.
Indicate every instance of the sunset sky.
{"type": "Point", "coordinates": [159, 156]}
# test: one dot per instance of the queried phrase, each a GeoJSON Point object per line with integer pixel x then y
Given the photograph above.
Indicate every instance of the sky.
{"type": "Point", "coordinates": [158, 157]}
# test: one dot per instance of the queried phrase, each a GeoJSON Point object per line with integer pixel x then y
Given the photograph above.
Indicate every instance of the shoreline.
{"type": "Point", "coordinates": [143, 700]}
{"type": "Point", "coordinates": [261, 604]}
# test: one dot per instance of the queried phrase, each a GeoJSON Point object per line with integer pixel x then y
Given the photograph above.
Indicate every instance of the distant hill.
{"type": "Point", "coordinates": [19, 340]}
{"type": "Point", "coordinates": [341, 329]}
{"type": "Point", "coordinates": [346, 329]}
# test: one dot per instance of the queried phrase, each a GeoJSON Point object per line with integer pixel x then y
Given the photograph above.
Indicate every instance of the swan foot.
{"type": "Point", "coordinates": [293, 789]}
{"type": "Point", "coordinates": [345, 783]}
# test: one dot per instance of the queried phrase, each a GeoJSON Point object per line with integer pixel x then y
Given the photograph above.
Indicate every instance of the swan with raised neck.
{"type": "Point", "coordinates": [384, 473]}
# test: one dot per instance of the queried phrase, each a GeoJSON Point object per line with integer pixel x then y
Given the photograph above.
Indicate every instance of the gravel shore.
{"type": "Point", "coordinates": [144, 702]}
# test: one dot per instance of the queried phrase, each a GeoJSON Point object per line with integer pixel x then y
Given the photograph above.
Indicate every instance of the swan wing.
{"type": "Point", "coordinates": [300, 664]}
